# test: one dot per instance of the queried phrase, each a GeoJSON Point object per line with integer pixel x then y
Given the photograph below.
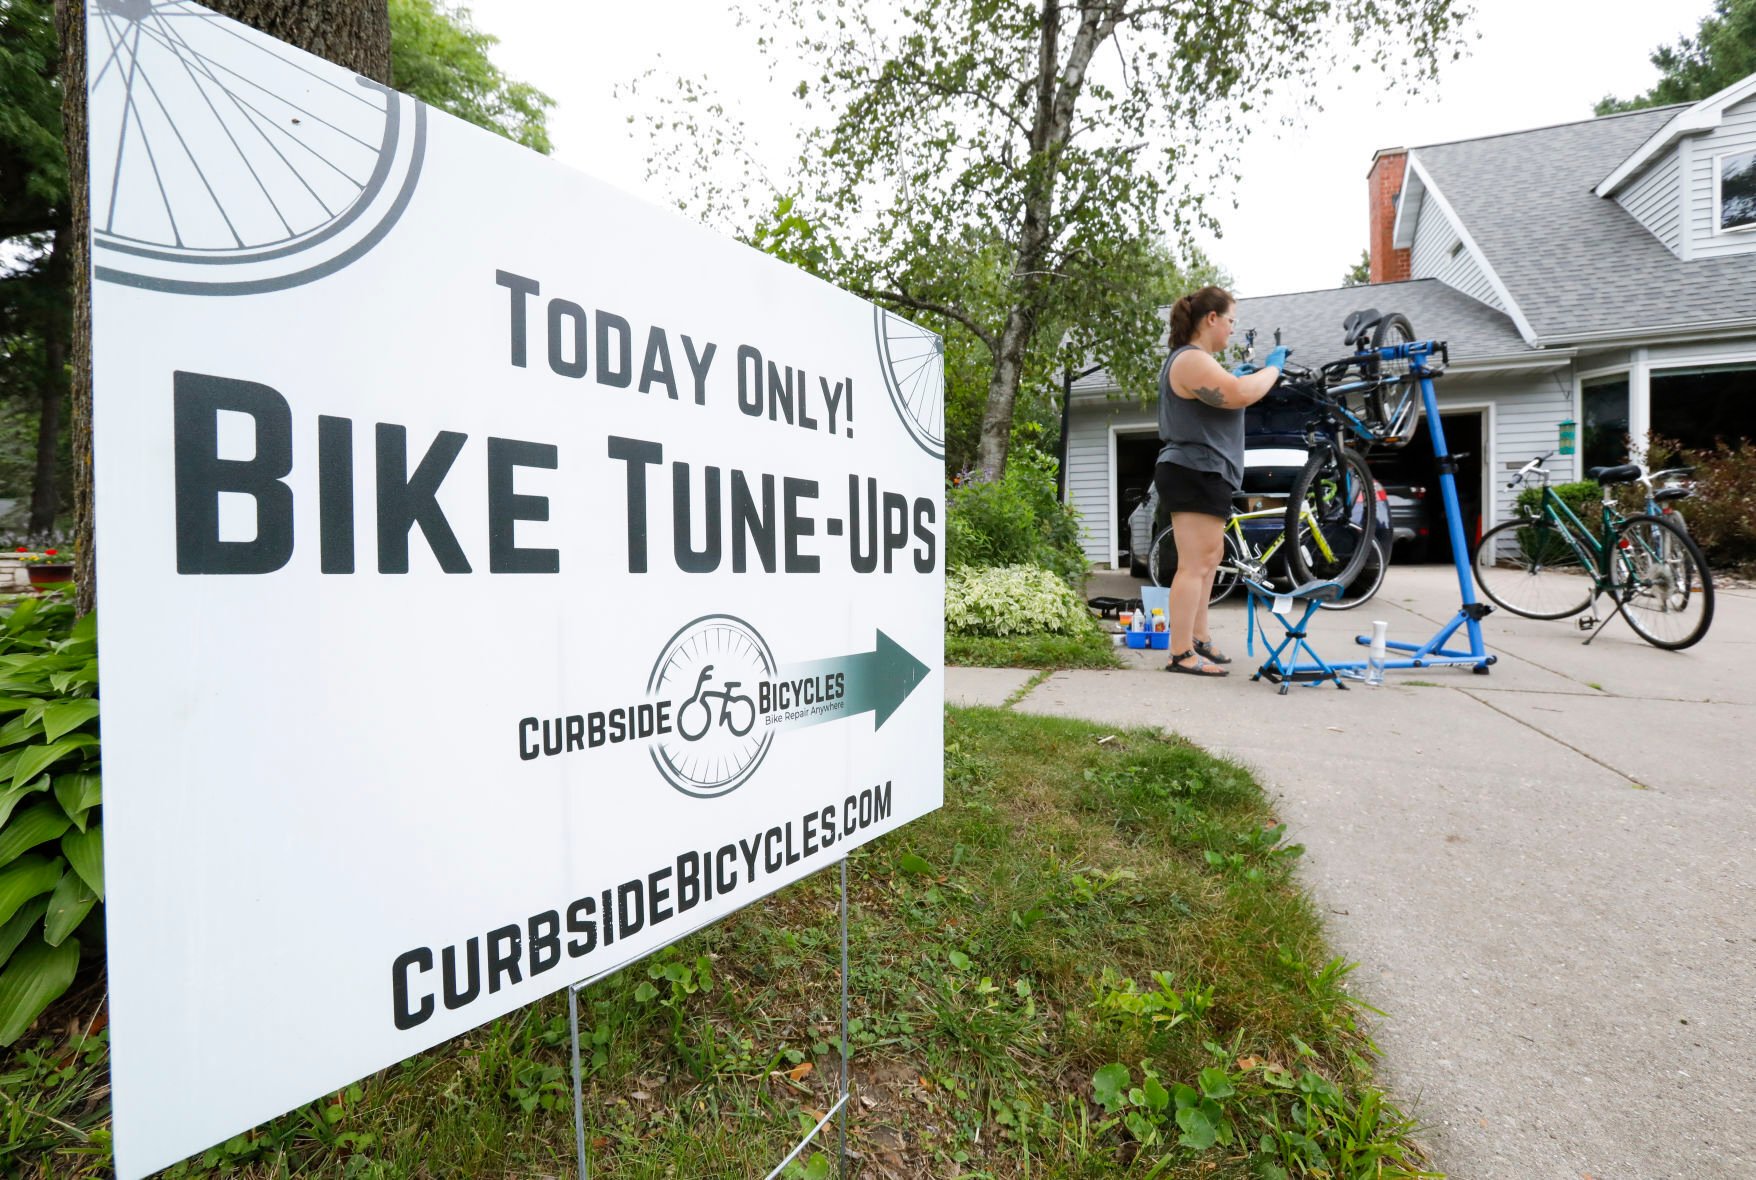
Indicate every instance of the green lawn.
{"type": "Point", "coordinates": [1087, 649]}
{"type": "Point", "coordinates": [1093, 960]}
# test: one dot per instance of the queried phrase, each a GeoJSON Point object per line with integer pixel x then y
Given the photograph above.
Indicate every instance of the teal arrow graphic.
{"type": "Point", "coordinates": [878, 681]}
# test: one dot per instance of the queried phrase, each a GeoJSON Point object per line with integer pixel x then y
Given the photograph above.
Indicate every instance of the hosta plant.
{"type": "Point", "coordinates": [51, 837]}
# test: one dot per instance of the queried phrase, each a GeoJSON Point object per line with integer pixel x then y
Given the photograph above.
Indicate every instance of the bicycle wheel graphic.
{"type": "Point", "coordinates": [715, 757]}
{"type": "Point", "coordinates": [224, 162]}
{"type": "Point", "coordinates": [912, 360]}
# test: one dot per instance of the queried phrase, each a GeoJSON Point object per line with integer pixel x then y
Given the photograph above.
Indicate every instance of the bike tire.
{"type": "Point", "coordinates": [1391, 329]}
{"type": "Point", "coordinates": [1537, 574]}
{"type": "Point", "coordinates": [1161, 559]}
{"type": "Point", "coordinates": [1226, 577]}
{"type": "Point", "coordinates": [1656, 553]}
{"type": "Point", "coordinates": [1369, 582]}
{"type": "Point", "coordinates": [1338, 485]}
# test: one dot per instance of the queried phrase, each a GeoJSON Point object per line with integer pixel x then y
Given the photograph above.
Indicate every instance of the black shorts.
{"type": "Point", "coordinates": [1184, 489]}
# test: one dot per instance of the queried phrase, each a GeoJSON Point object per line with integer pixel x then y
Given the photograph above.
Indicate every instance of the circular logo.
{"type": "Point", "coordinates": [912, 360]}
{"type": "Point", "coordinates": [710, 671]}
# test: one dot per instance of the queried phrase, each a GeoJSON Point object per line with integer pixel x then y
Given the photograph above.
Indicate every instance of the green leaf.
{"type": "Point", "coordinates": [15, 796]}
{"type": "Point", "coordinates": [1140, 1126]}
{"type": "Point", "coordinates": [13, 932]}
{"type": "Point", "coordinates": [31, 827]}
{"type": "Point", "coordinates": [1198, 1132]}
{"type": "Point", "coordinates": [1215, 1083]}
{"type": "Point", "coordinates": [645, 992]}
{"type": "Point", "coordinates": [36, 759]}
{"type": "Point", "coordinates": [68, 906]}
{"type": "Point", "coordinates": [22, 727]}
{"type": "Point", "coordinates": [78, 794]}
{"type": "Point", "coordinates": [86, 630]}
{"type": "Point", "coordinates": [66, 716]}
{"type": "Point", "coordinates": [1157, 1097]}
{"type": "Point", "coordinates": [25, 878]}
{"type": "Point", "coordinates": [37, 974]}
{"type": "Point", "coordinates": [1185, 1096]}
{"type": "Point", "coordinates": [85, 852]}
{"type": "Point", "coordinates": [1108, 1085]}
{"type": "Point", "coordinates": [959, 960]}
{"type": "Point", "coordinates": [908, 862]}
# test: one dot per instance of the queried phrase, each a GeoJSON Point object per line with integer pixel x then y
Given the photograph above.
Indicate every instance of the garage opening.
{"type": "Point", "coordinates": [1411, 481]}
{"type": "Point", "coordinates": [1136, 456]}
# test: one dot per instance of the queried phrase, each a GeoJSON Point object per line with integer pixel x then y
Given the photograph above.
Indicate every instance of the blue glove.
{"type": "Point", "coordinates": [1243, 368]}
{"type": "Point", "coordinates": [1277, 359]}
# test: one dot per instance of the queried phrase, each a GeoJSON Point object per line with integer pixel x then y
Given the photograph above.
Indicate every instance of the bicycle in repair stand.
{"type": "Point", "coordinates": [1374, 398]}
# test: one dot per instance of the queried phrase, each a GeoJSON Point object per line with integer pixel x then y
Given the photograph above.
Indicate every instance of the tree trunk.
{"type": "Point", "coordinates": [70, 28]}
{"type": "Point", "coordinates": [354, 34]}
{"type": "Point", "coordinates": [350, 33]}
{"type": "Point", "coordinates": [45, 497]}
{"type": "Point", "coordinates": [1058, 87]}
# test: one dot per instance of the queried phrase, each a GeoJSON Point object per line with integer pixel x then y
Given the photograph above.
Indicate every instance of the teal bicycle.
{"type": "Point", "coordinates": [1551, 565]}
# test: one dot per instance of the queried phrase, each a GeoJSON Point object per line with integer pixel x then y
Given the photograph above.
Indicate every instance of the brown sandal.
{"type": "Point", "coordinates": [1197, 668]}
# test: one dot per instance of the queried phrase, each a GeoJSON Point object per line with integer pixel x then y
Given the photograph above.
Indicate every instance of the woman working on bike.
{"type": "Point", "coordinates": [1201, 465]}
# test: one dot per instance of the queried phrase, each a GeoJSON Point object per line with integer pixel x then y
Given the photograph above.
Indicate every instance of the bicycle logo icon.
{"type": "Point", "coordinates": [711, 668]}
{"type": "Point", "coordinates": [702, 719]}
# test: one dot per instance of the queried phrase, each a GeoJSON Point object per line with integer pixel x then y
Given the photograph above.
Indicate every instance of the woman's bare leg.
{"type": "Point", "coordinates": [1200, 545]}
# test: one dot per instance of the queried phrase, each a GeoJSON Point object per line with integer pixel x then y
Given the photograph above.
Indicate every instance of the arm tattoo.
{"type": "Point", "coordinates": [1212, 397]}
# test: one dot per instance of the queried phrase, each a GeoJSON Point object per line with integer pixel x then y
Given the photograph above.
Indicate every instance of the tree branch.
{"type": "Point", "coordinates": [950, 313]}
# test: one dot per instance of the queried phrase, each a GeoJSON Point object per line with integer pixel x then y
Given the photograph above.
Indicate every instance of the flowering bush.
{"type": "Point", "coordinates": [1012, 600]}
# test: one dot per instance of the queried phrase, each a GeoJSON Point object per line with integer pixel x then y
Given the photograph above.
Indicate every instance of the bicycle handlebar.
{"type": "Point", "coordinates": [1534, 467]}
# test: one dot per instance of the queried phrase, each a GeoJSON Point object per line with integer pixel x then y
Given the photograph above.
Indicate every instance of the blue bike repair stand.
{"type": "Point", "coordinates": [1468, 619]}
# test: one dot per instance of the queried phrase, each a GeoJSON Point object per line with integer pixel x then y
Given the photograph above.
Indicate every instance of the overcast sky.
{"type": "Point", "coordinates": [1536, 63]}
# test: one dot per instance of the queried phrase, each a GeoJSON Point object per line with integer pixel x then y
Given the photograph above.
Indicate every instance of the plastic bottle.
{"type": "Point", "coordinates": [1375, 656]}
{"type": "Point", "coordinates": [1158, 619]}
{"type": "Point", "coordinates": [1138, 622]}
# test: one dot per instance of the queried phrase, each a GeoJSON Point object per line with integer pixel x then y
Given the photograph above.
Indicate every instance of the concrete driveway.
{"type": "Point", "coordinates": [1546, 873]}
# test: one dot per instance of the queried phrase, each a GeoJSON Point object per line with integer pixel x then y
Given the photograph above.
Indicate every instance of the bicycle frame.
{"type": "Point", "coordinates": [1599, 556]}
{"type": "Point", "coordinates": [1257, 560]}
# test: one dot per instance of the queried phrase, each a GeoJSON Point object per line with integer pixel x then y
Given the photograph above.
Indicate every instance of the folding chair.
{"type": "Point", "coordinates": [1282, 665]}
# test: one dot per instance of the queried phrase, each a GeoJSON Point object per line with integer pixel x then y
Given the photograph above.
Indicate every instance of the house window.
{"type": "Point", "coordinates": [1737, 191]}
{"type": "Point", "coordinates": [1604, 441]}
{"type": "Point", "coordinates": [1698, 407]}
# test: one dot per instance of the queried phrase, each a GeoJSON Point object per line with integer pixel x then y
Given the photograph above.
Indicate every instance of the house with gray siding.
{"type": "Point", "coordinates": [1601, 273]}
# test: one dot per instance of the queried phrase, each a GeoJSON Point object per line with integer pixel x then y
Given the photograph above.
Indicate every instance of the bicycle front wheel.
{"type": "Point", "coordinates": [1161, 559]}
{"type": "Point", "coordinates": [1329, 515]}
{"type": "Point", "coordinates": [1662, 582]}
{"type": "Point", "coordinates": [1367, 584]}
{"type": "Point", "coordinates": [1533, 568]}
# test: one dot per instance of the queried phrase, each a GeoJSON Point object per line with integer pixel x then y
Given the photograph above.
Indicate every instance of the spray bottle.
{"type": "Point", "coordinates": [1375, 657]}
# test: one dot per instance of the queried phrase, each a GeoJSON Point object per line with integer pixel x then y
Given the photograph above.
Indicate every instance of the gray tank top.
{"type": "Point", "coordinates": [1197, 435]}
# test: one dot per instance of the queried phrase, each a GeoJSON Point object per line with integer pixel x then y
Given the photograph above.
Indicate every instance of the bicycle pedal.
{"type": "Point", "coordinates": [1586, 622]}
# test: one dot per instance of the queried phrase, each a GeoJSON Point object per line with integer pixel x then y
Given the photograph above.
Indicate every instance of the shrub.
{"type": "Point", "coordinates": [1722, 513]}
{"type": "Point", "coordinates": [1015, 520]}
{"type": "Point", "coordinates": [1584, 497]}
{"type": "Point", "coordinates": [1012, 600]}
{"type": "Point", "coordinates": [51, 841]}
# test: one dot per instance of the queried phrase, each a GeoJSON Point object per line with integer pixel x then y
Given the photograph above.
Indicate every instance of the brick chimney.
{"type": "Point", "coordinates": [1384, 185]}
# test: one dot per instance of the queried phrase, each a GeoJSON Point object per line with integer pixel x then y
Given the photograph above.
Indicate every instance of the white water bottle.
{"type": "Point", "coordinates": [1375, 657]}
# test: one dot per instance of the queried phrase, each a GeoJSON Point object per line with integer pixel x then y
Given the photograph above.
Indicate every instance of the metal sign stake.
{"type": "Point", "coordinates": [837, 1112]}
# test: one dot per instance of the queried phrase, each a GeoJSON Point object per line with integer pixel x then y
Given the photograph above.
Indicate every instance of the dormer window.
{"type": "Point", "coordinates": [1737, 191]}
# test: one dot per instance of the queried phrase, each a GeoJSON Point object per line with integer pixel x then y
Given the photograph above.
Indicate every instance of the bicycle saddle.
{"type": "Point", "coordinates": [1356, 330]}
{"type": "Point", "coordinates": [1665, 495]}
{"type": "Point", "coordinates": [1605, 476]}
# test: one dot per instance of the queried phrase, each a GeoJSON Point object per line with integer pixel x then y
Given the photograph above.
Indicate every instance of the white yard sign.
{"type": "Point", "coordinates": [499, 576]}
